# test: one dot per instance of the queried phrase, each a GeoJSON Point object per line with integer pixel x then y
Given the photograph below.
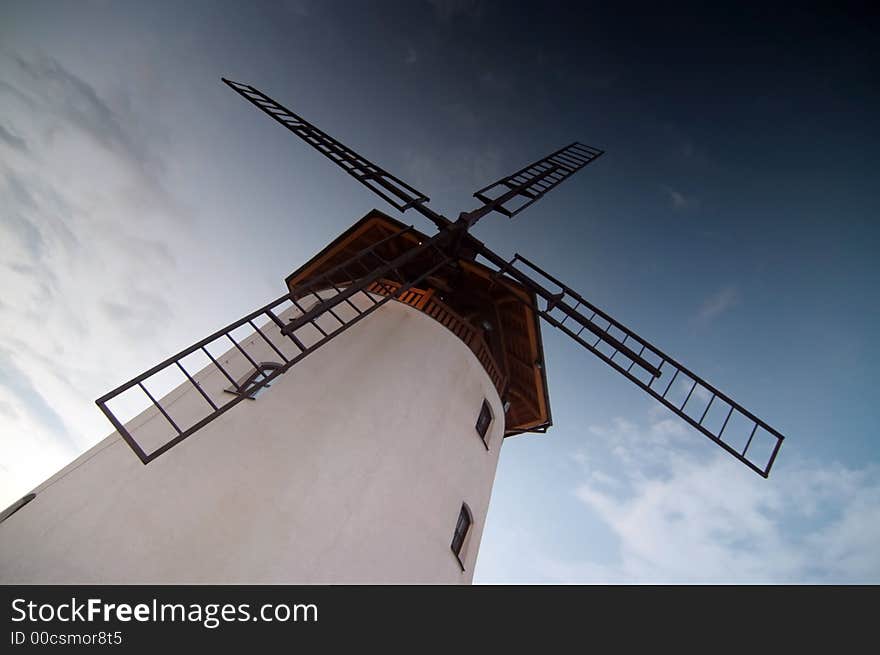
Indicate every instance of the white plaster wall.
{"type": "Point", "coordinates": [352, 468]}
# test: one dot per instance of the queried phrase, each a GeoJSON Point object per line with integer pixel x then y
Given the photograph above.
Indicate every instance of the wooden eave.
{"type": "Point", "coordinates": [474, 292]}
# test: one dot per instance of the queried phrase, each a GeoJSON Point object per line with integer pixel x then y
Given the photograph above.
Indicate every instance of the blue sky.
{"type": "Point", "coordinates": [733, 221]}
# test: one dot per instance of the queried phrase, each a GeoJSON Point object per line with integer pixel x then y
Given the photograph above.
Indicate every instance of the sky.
{"type": "Point", "coordinates": [733, 221]}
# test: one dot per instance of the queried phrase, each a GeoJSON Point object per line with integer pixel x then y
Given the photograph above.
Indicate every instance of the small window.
{"type": "Point", "coordinates": [461, 530]}
{"type": "Point", "coordinates": [483, 422]}
{"type": "Point", "coordinates": [254, 383]}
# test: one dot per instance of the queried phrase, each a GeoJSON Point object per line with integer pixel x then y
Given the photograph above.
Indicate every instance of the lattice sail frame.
{"type": "Point", "coordinates": [322, 322]}
{"type": "Point", "coordinates": [529, 184]}
{"type": "Point", "coordinates": [392, 189]}
{"type": "Point", "coordinates": [742, 434]}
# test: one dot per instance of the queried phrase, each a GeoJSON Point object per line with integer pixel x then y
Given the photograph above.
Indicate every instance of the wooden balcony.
{"type": "Point", "coordinates": [424, 301]}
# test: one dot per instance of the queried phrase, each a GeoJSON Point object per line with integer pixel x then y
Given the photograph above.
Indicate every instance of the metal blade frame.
{"type": "Point", "coordinates": [531, 183]}
{"type": "Point", "coordinates": [668, 369]}
{"type": "Point", "coordinates": [390, 188]}
{"type": "Point", "coordinates": [323, 307]}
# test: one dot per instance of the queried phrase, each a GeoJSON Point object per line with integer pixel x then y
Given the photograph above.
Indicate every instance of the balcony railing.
{"type": "Point", "coordinates": [424, 300]}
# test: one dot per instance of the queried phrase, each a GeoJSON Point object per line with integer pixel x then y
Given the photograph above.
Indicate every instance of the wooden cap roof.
{"type": "Point", "coordinates": [498, 309]}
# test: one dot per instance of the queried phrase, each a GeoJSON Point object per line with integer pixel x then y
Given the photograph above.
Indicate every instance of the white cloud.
{"type": "Point", "coordinates": [83, 265]}
{"type": "Point", "coordinates": [12, 140]}
{"type": "Point", "coordinates": [718, 303]}
{"type": "Point", "coordinates": [689, 514]}
{"type": "Point", "coordinates": [679, 200]}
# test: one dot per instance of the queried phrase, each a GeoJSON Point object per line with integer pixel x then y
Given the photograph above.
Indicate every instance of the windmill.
{"type": "Point", "coordinates": [629, 354]}
{"type": "Point", "coordinates": [376, 428]}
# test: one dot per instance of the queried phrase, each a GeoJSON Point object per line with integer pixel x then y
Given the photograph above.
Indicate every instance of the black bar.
{"type": "Point", "coordinates": [706, 411]}
{"type": "Point", "coordinates": [726, 419]}
{"type": "Point", "coordinates": [688, 397]}
{"type": "Point", "coordinates": [161, 409]}
{"type": "Point", "coordinates": [749, 442]}
{"type": "Point", "coordinates": [332, 313]}
{"type": "Point", "coordinates": [299, 344]}
{"type": "Point", "coordinates": [632, 362]}
{"type": "Point", "coordinates": [267, 340]}
{"type": "Point", "coordinates": [195, 384]}
{"type": "Point", "coordinates": [241, 350]}
{"type": "Point", "coordinates": [408, 197]}
{"type": "Point", "coordinates": [134, 445]}
{"type": "Point", "coordinates": [669, 386]}
{"type": "Point", "coordinates": [218, 365]}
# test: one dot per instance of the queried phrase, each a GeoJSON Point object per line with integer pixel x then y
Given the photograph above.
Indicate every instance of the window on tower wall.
{"type": "Point", "coordinates": [254, 383]}
{"type": "Point", "coordinates": [483, 421]}
{"type": "Point", "coordinates": [461, 530]}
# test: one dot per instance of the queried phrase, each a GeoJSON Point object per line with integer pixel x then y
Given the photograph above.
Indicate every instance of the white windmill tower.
{"type": "Point", "coordinates": [411, 358]}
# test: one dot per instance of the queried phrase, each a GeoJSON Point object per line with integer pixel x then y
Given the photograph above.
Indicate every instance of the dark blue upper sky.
{"type": "Point", "coordinates": [733, 221]}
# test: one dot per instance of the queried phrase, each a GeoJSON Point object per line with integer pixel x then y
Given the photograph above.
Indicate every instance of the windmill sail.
{"type": "Point", "coordinates": [700, 404]}
{"type": "Point", "coordinates": [395, 191]}
{"type": "Point", "coordinates": [285, 331]}
{"type": "Point", "coordinates": [511, 194]}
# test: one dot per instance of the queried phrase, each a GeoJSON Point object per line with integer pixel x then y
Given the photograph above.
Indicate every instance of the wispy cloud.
{"type": "Point", "coordinates": [680, 200]}
{"type": "Point", "coordinates": [717, 304]}
{"type": "Point", "coordinates": [16, 381]}
{"type": "Point", "coordinates": [136, 320]}
{"type": "Point", "coordinates": [12, 140]}
{"type": "Point", "coordinates": [688, 515]}
{"type": "Point", "coordinates": [85, 202]}
{"type": "Point", "coordinates": [78, 102]}
{"type": "Point", "coordinates": [65, 103]}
